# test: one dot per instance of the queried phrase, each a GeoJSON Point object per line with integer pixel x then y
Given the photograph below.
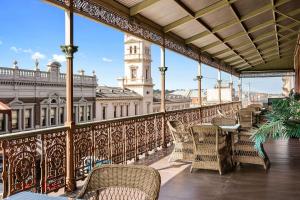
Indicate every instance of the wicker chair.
{"type": "Point", "coordinates": [256, 106]}
{"type": "Point", "coordinates": [183, 142]}
{"type": "Point", "coordinates": [209, 148]}
{"type": "Point", "coordinates": [232, 114]}
{"type": "Point", "coordinates": [246, 118]}
{"type": "Point", "coordinates": [121, 182]}
{"type": "Point", "coordinates": [245, 152]}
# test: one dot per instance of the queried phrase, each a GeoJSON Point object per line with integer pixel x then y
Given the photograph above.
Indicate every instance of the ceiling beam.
{"type": "Point", "coordinates": [287, 16]}
{"type": "Point", "coordinates": [275, 28]}
{"type": "Point", "coordinates": [208, 28]}
{"type": "Point", "coordinates": [245, 29]}
{"type": "Point", "coordinates": [196, 15]}
{"type": "Point", "coordinates": [134, 10]}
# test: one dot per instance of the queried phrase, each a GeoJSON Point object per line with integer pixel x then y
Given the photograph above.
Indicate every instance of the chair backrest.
{"type": "Point", "coordinates": [208, 134]}
{"type": "Point", "coordinates": [257, 106]}
{"type": "Point", "coordinates": [246, 118]}
{"type": "Point", "coordinates": [176, 129]}
{"type": "Point", "coordinates": [122, 182]}
{"type": "Point", "coordinates": [221, 113]}
{"type": "Point", "coordinates": [223, 121]}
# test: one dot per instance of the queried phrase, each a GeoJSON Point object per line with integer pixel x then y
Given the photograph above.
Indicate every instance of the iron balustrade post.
{"type": "Point", "coordinates": [69, 49]}
{"type": "Point", "coordinates": [4, 169]}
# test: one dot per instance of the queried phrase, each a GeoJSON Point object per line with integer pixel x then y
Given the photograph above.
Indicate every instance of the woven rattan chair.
{"type": "Point", "coordinates": [183, 142]}
{"type": "Point", "coordinates": [121, 182]}
{"type": "Point", "coordinates": [246, 118]}
{"type": "Point", "coordinates": [256, 106]}
{"type": "Point", "coordinates": [210, 150]}
{"type": "Point", "coordinates": [245, 152]}
{"type": "Point", "coordinates": [232, 114]}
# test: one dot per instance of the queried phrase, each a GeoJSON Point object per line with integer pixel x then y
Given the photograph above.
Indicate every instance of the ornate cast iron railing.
{"type": "Point", "coordinates": [36, 160]}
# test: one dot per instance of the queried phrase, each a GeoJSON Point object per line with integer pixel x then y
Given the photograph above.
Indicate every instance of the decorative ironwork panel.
{"type": "Point", "coordinates": [83, 150]}
{"type": "Point", "coordinates": [21, 158]}
{"type": "Point", "coordinates": [159, 128]}
{"type": "Point", "coordinates": [101, 146]}
{"type": "Point", "coordinates": [54, 161]}
{"type": "Point", "coordinates": [141, 136]}
{"type": "Point", "coordinates": [130, 135]}
{"type": "Point", "coordinates": [117, 142]}
{"type": "Point", "coordinates": [150, 132]}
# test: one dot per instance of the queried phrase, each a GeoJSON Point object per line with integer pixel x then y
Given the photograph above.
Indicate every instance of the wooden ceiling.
{"type": "Point", "coordinates": [242, 35]}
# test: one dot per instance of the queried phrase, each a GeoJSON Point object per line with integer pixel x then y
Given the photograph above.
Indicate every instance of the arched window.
{"type": "Point", "coordinates": [134, 49]}
{"type": "Point", "coordinates": [130, 49]}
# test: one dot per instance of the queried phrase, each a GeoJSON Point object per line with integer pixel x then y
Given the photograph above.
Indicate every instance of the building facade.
{"type": "Point", "coordinates": [135, 95]}
{"type": "Point", "coordinates": [227, 94]}
{"type": "Point", "coordinates": [288, 83]}
{"type": "Point", "coordinates": [37, 98]}
{"type": "Point", "coordinates": [116, 102]}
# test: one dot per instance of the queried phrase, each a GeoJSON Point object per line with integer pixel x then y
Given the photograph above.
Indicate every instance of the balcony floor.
{"type": "Point", "coordinates": [246, 182]}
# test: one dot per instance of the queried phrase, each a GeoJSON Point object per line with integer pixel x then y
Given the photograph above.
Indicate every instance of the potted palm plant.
{"type": "Point", "coordinates": [283, 121]}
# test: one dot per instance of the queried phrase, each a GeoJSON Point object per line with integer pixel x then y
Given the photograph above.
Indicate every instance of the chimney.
{"type": "Point", "coordinates": [121, 81]}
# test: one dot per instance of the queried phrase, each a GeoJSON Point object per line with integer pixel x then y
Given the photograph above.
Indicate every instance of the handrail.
{"type": "Point", "coordinates": [115, 140]}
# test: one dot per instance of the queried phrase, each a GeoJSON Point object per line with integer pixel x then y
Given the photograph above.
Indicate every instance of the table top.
{"type": "Point", "coordinates": [231, 128]}
{"type": "Point", "coordinates": [35, 196]}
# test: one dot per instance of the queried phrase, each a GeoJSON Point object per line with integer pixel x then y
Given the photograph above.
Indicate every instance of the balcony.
{"type": "Point", "coordinates": [36, 160]}
{"type": "Point", "coordinates": [235, 37]}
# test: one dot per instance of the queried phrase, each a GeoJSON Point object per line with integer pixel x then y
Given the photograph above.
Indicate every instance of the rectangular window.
{"type": "Point", "coordinates": [103, 112]}
{"type": "Point", "coordinates": [146, 74]}
{"type": "Point", "coordinates": [148, 108]}
{"type": "Point", "coordinates": [15, 119]}
{"type": "Point", "coordinates": [133, 73]}
{"type": "Point", "coordinates": [127, 110]}
{"type": "Point", "coordinates": [115, 111]}
{"type": "Point", "coordinates": [135, 109]}
{"type": "Point", "coordinates": [121, 111]}
{"type": "Point", "coordinates": [74, 113]}
{"type": "Point", "coordinates": [2, 122]}
{"type": "Point", "coordinates": [27, 116]}
{"type": "Point", "coordinates": [62, 115]}
{"type": "Point", "coordinates": [89, 113]}
{"type": "Point", "coordinates": [43, 116]}
{"type": "Point", "coordinates": [81, 113]}
{"type": "Point", "coordinates": [53, 116]}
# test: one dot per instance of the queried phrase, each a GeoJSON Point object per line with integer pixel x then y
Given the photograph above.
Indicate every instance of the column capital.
{"type": "Point", "coordinates": [69, 50]}
{"type": "Point", "coordinates": [219, 81]}
{"type": "Point", "coordinates": [163, 69]}
{"type": "Point", "coordinates": [199, 78]}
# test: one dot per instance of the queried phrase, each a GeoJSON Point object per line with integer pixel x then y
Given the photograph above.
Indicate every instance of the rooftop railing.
{"type": "Point", "coordinates": [36, 160]}
{"type": "Point", "coordinates": [12, 74]}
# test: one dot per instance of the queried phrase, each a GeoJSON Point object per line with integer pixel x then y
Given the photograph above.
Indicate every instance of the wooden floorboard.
{"type": "Point", "coordinates": [281, 182]}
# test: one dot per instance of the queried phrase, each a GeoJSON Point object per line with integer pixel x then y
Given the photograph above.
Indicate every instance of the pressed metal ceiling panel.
{"type": "Point", "coordinates": [129, 3]}
{"type": "Point", "coordinates": [164, 12]}
{"type": "Point", "coordinates": [189, 29]}
{"type": "Point", "coordinates": [259, 19]}
{"type": "Point", "coordinates": [205, 41]}
{"type": "Point", "coordinates": [231, 31]}
{"type": "Point", "coordinates": [197, 5]}
{"type": "Point", "coordinates": [218, 17]}
{"type": "Point", "coordinates": [216, 49]}
{"type": "Point", "coordinates": [247, 6]}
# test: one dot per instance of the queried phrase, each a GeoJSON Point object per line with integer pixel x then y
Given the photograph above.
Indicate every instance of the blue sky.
{"type": "Point", "coordinates": [33, 29]}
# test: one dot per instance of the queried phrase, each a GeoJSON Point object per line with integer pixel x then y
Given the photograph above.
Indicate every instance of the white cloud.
{"type": "Point", "coordinates": [59, 58]}
{"type": "Point", "coordinates": [15, 49]}
{"type": "Point", "coordinates": [106, 60]}
{"type": "Point", "coordinates": [27, 51]}
{"type": "Point", "coordinates": [37, 56]}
